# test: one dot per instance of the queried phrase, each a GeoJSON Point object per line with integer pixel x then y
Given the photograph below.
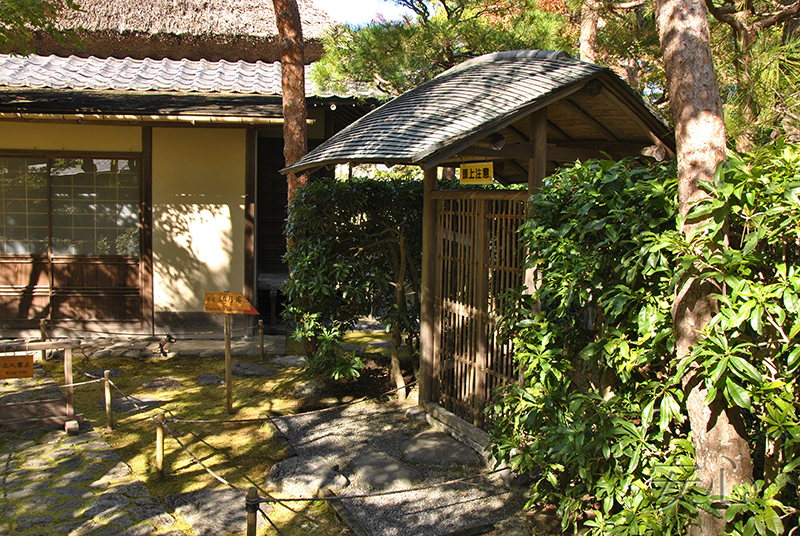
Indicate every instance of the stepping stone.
{"type": "Point", "coordinates": [382, 472]}
{"type": "Point", "coordinates": [97, 373]}
{"type": "Point", "coordinates": [352, 348]}
{"type": "Point", "coordinates": [162, 384]}
{"type": "Point", "coordinates": [305, 477]}
{"type": "Point", "coordinates": [438, 448]}
{"type": "Point", "coordinates": [127, 404]}
{"type": "Point", "coordinates": [211, 512]}
{"type": "Point", "coordinates": [289, 361]}
{"type": "Point", "coordinates": [245, 369]}
{"type": "Point", "coordinates": [210, 379]}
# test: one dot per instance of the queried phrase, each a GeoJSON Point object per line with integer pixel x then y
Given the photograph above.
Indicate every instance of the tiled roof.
{"type": "Point", "coordinates": [55, 72]}
{"type": "Point", "coordinates": [452, 109]}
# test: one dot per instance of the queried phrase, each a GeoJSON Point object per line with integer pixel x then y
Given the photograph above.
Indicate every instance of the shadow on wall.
{"type": "Point", "coordinates": [193, 253]}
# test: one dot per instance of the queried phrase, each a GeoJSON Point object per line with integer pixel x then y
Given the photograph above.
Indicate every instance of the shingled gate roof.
{"type": "Point", "coordinates": [194, 29]}
{"type": "Point", "coordinates": [449, 119]}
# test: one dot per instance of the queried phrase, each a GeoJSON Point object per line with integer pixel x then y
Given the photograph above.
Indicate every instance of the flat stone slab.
{"type": "Point", "coordinates": [127, 404]}
{"type": "Point", "coordinates": [438, 448]}
{"type": "Point", "coordinates": [98, 373]}
{"type": "Point", "coordinates": [210, 379]}
{"type": "Point", "coordinates": [289, 361]}
{"type": "Point", "coordinates": [382, 472]}
{"type": "Point", "coordinates": [245, 369]}
{"type": "Point", "coordinates": [211, 512]}
{"type": "Point", "coordinates": [301, 477]}
{"type": "Point", "coordinates": [162, 384]}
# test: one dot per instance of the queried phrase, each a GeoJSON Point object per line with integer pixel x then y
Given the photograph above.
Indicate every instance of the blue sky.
{"type": "Point", "coordinates": [360, 11]}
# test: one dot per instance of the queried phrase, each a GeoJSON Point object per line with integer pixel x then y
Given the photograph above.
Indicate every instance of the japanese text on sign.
{"type": "Point", "coordinates": [16, 366]}
{"type": "Point", "coordinates": [231, 303]}
{"type": "Point", "coordinates": [477, 173]}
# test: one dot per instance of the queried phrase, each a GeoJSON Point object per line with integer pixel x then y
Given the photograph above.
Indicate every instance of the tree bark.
{"type": "Point", "coordinates": [290, 32]}
{"type": "Point", "coordinates": [588, 39]}
{"type": "Point", "coordinates": [722, 453]}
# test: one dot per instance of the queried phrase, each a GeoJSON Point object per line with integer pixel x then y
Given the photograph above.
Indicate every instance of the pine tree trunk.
{"type": "Point", "coordinates": [588, 39]}
{"type": "Point", "coordinates": [722, 453]}
{"type": "Point", "coordinates": [290, 31]}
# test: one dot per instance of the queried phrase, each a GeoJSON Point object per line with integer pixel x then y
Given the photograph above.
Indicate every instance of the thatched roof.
{"type": "Point", "coordinates": [194, 29]}
{"type": "Point", "coordinates": [254, 18]}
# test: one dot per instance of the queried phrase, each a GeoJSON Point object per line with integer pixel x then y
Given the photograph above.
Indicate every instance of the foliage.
{"type": "Point", "coordinates": [751, 351]}
{"type": "Point", "coordinates": [21, 19]}
{"type": "Point", "coordinates": [602, 324]}
{"type": "Point", "coordinates": [354, 243]}
{"type": "Point", "coordinates": [764, 79]}
{"type": "Point", "coordinates": [394, 56]}
{"type": "Point", "coordinates": [601, 412]}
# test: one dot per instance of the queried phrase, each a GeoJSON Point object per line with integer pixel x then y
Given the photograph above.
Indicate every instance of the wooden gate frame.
{"type": "Point", "coordinates": [60, 411]}
{"type": "Point", "coordinates": [428, 397]}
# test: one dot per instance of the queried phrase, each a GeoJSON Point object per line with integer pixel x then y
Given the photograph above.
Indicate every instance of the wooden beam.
{"type": "Point", "coordinates": [589, 120]}
{"type": "Point", "coordinates": [636, 118]}
{"type": "Point", "coordinates": [249, 218]}
{"type": "Point", "coordinates": [560, 132]}
{"type": "Point", "coordinates": [537, 167]}
{"type": "Point", "coordinates": [146, 240]}
{"type": "Point", "coordinates": [519, 133]}
{"type": "Point", "coordinates": [427, 328]}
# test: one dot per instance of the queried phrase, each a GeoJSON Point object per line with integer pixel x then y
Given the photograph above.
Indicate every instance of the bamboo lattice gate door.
{"type": "Point", "coordinates": [478, 259]}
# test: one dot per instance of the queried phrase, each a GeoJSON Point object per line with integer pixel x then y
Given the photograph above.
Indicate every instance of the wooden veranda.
{"type": "Point", "coordinates": [528, 112]}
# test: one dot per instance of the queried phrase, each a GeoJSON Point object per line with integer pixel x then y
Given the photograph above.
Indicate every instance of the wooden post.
{"type": "Point", "coordinates": [43, 332]}
{"type": "Point", "coordinates": [537, 166]}
{"type": "Point", "coordinates": [109, 406]}
{"type": "Point", "coordinates": [261, 337]}
{"type": "Point", "coordinates": [71, 425]}
{"type": "Point", "coordinates": [160, 446]}
{"type": "Point", "coordinates": [228, 371]}
{"type": "Point", "coordinates": [427, 306]}
{"type": "Point", "coordinates": [252, 510]}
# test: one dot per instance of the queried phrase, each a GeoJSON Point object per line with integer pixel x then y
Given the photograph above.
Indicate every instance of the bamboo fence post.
{"type": "Point", "coordinates": [228, 371]}
{"type": "Point", "coordinates": [160, 446]}
{"type": "Point", "coordinates": [261, 337]}
{"type": "Point", "coordinates": [109, 405]}
{"type": "Point", "coordinates": [43, 331]}
{"type": "Point", "coordinates": [251, 506]}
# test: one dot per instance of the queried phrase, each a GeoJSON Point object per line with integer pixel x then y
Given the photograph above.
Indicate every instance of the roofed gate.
{"type": "Point", "coordinates": [528, 112]}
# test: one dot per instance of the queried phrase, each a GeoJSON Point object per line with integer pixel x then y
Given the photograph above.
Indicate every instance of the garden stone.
{"type": "Point", "coordinates": [106, 505]}
{"type": "Point", "coordinates": [162, 384]}
{"type": "Point", "coordinates": [98, 373]}
{"type": "Point", "coordinates": [245, 369]}
{"type": "Point", "coordinates": [305, 477]}
{"type": "Point", "coordinates": [438, 448]}
{"type": "Point", "coordinates": [382, 472]}
{"type": "Point", "coordinates": [210, 512]}
{"type": "Point", "coordinates": [289, 361]}
{"type": "Point", "coordinates": [210, 379]}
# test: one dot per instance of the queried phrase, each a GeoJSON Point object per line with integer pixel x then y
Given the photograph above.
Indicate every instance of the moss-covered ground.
{"type": "Point", "coordinates": [241, 453]}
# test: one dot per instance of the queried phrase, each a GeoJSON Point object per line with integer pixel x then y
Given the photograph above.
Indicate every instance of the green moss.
{"type": "Point", "coordinates": [242, 453]}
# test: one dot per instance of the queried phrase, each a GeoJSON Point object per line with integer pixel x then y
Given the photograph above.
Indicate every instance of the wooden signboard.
{"type": "Point", "coordinates": [16, 366]}
{"type": "Point", "coordinates": [477, 173]}
{"type": "Point", "coordinates": [231, 303]}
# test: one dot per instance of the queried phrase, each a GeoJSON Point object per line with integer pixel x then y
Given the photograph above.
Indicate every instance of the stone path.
{"type": "Point", "coordinates": [368, 448]}
{"type": "Point", "coordinates": [53, 483]}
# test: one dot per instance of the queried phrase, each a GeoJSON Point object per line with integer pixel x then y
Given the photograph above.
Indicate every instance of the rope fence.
{"type": "Point", "coordinates": [253, 500]}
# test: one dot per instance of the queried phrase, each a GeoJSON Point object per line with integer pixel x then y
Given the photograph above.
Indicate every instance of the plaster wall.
{"type": "Point", "coordinates": [198, 215]}
{"type": "Point", "coordinates": [69, 137]}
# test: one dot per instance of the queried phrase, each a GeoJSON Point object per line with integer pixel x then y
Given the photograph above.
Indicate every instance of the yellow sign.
{"type": "Point", "coordinates": [231, 303]}
{"type": "Point", "coordinates": [477, 173]}
{"type": "Point", "coordinates": [16, 366]}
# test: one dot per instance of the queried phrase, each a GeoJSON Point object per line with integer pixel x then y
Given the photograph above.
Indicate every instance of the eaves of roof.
{"type": "Point", "coordinates": [462, 105]}
{"type": "Point", "coordinates": [164, 75]}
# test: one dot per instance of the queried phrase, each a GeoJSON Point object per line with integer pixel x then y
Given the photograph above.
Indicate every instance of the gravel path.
{"type": "Point", "coordinates": [340, 435]}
